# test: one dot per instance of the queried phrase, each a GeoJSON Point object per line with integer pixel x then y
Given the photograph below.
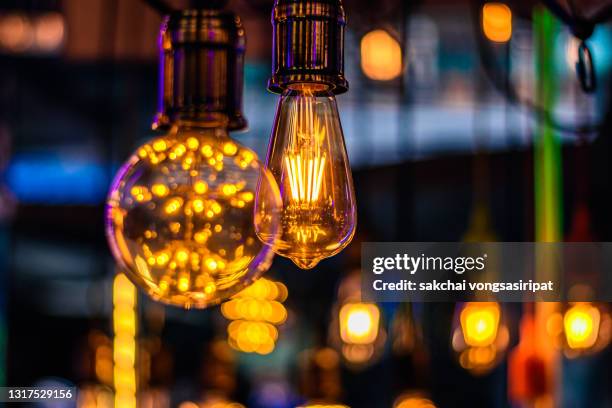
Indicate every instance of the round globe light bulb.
{"type": "Point", "coordinates": [179, 217]}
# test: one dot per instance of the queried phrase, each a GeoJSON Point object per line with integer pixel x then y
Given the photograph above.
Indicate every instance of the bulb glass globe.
{"type": "Point", "coordinates": [308, 160]}
{"type": "Point", "coordinates": [180, 217]}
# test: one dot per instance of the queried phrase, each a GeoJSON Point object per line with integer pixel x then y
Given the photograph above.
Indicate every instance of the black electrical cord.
{"type": "Point", "coordinates": [506, 87]}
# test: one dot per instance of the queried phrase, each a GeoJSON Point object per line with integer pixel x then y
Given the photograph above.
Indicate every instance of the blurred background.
{"type": "Point", "coordinates": [462, 120]}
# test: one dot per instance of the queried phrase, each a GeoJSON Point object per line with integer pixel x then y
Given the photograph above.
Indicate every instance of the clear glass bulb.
{"type": "Point", "coordinates": [308, 160]}
{"type": "Point", "coordinates": [180, 217]}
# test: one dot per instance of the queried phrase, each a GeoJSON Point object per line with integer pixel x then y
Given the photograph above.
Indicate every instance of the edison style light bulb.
{"type": "Point", "coordinates": [306, 154]}
{"type": "Point", "coordinates": [180, 216]}
{"type": "Point", "coordinates": [180, 211]}
{"type": "Point", "coordinates": [308, 160]}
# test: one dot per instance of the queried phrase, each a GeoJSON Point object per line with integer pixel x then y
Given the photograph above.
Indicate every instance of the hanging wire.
{"type": "Point", "coordinates": [585, 67]}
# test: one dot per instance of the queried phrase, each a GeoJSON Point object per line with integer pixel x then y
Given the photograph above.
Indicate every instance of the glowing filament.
{"type": "Point", "coordinates": [305, 160]}
{"type": "Point", "coordinates": [305, 177]}
{"type": "Point", "coordinates": [308, 159]}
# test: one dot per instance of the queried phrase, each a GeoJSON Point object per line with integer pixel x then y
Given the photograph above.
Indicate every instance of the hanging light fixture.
{"type": "Point", "coordinates": [356, 328]}
{"type": "Point", "coordinates": [480, 338]}
{"type": "Point", "coordinates": [583, 328]}
{"type": "Point", "coordinates": [180, 210]}
{"type": "Point", "coordinates": [306, 153]}
{"type": "Point", "coordinates": [479, 334]}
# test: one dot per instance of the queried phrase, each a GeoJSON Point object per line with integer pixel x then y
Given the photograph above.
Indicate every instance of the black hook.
{"type": "Point", "coordinates": [585, 68]}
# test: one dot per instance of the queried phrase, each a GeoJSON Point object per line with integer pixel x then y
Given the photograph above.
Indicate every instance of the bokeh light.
{"type": "Point", "coordinates": [124, 342]}
{"type": "Point", "coordinates": [479, 322]}
{"type": "Point", "coordinates": [359, 323]}
{"type": "Point", "coordinates": [581, 323]}
{"type": "Point", "coordinates": [42, 33]}
{"type": "Point", "coordinates": [49, 31]}
{"type": "Point", "coordinates": [497, 22]}
{"type": "Point", "coordinates": [255, 314]}
{"type": "Point", "coordinates": [381, 56]}
{"type": "Point", "coordinates": [16, 32]}
{"type": "Point", "coordinates": [480, 338]}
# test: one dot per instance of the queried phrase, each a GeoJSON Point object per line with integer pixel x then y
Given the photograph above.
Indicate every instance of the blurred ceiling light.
{"type": "Point", "coordinates": [20, 33]}
{"type": "Point", "coordinates": [583, 328]}
{"type": "Point", "coordinates": [480, 338]}
{"type": "Point", "coordinates": [581, 323]}
{"type": "Point", "coordinates": [359, 323]}
{"type": "Point", "coordinates": [497, 22]}
{"type": "Point", "coordinates": [16, 33]}
{"type": "Point", "coordinates": [381, 56]}
{"type": "Point", "coordinates": [355, 328]}
{"type": "Point", "coordinates": [479, 322]}
{"type": "Point", "coordinates": [49, 29]}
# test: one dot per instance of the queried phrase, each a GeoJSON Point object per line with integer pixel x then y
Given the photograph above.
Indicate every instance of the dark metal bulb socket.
{"type": "Point", "coordinates": [201, 69]}
{"type": "Point", "coordinates": [308, 44]}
